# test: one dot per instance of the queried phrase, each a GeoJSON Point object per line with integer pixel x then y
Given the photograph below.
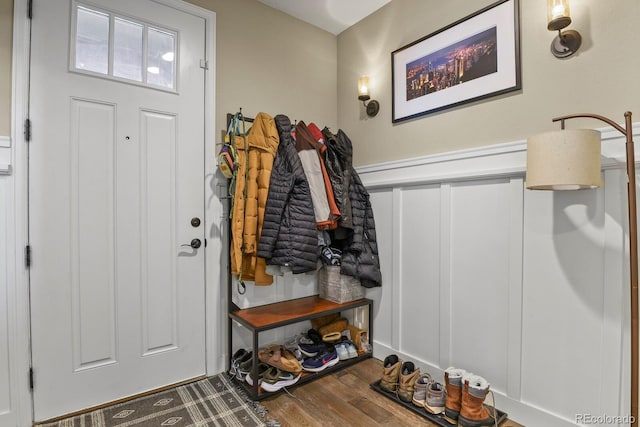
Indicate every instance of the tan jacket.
{"type": "Point", "coordinates": [253, 175]}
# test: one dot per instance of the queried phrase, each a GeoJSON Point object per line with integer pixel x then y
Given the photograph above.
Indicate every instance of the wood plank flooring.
{"type": "Point", "coordinates": [344, 398]}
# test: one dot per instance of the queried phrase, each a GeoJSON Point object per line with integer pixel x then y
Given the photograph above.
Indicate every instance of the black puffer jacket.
{"type": "Point", "coordinates": [360, 249]}
{"type": "Point", "coordinates": [289, 235]}
{"type": "Point", "coordinates": [338, 161]}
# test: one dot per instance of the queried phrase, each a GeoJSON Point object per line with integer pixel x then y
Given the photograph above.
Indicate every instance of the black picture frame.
{"type": "Point", "coordinates": [474, 58]}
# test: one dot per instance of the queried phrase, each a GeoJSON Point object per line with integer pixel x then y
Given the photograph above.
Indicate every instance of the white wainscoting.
{"type": "Point", "coordinates": [527, 289]}
{"type": "Point", "coordinates": [8, 311]}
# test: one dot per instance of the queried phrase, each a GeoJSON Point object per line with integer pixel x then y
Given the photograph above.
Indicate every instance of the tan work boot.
{"type": "Point", "coordinates": [453, 386]}
{"type": "Point", "coordinates": [473, 413]}
{"type": "Point", "coordinates": [408, 376]}
{"type": "Point", "coordinates": [390, 373]}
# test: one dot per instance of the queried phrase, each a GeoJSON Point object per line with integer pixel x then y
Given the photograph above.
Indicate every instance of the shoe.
{"type": "Point", "coordinates": [332, 337]}
{"type": "Point", "coordinates": [390, 373]}
{"type": "Point", "coordinates": [314, 336]}
{"type": "Point", "coordinates": [293, 343]}
{"type": "Point", "coordinates": [262, 368]}
{"type": "Point", "coordinates": [314, 347]}
{"type": "Point", "coordinates": [346, 346]}
{"type": "Point", "coordinates": [239, 357]}
{"type": "Point", "coordinates": [321, 361]}
{"type": "Point", "coordinates": [275, 379]}
{"type": "Point", "coordinates": [318, 322]}
{"type": "Point", "coordinates": [351, 348]}
{"type": "Point", "coordinates": [311, 350]}
{"type": "Point", "coordinates": [245, 365]}
{"type": "Point", "coordinates": [420, 394]}
{"type": "Point", "coordinates": [278, 356]}
{"type": "Point", "coordinates": [336, 326]}
{"type": "Point", "coordinates": [473, 413]}
{"type": "Point", "coordinates": [408, 376]}
{"type": "Point", "coordinates": [435, 399]}
{"type": "Point", "coordinates": [341, 349]}
{"type": "Point", "coordinates": [453, 386]}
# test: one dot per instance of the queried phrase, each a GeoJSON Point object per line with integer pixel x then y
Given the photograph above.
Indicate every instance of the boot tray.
{"type": "Point", "coordinates": [437, 419]}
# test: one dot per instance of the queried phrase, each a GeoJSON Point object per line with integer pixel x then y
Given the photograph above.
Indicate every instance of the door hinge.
{"type": "Point", "coordinates": [31, 378]}
{"type": "Point", "coordinates": [27, 130]}
{"type": "Point", "coordinates": [27, 256]}
{"type": "Point", "coordinates": [30, 9]}
{"type": "Point", "coordinates": [204, 64]}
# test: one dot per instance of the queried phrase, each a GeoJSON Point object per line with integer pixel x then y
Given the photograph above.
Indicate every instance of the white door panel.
{"type": "Point", "coordinates": [116, 175]}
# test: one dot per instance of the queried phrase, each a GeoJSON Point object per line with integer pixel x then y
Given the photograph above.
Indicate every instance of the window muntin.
{"type": "Point", "coordinates": [123, 48]}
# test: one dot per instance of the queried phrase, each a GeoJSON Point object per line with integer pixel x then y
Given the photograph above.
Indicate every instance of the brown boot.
{"type": "Point", "coordinates": [473, 412]}
{"type": "Point", "coordinates": [453, 386]}
{"type": "Point", "coordinates": [408, 376]}
{"type": "Point", "coordinates": [390, 373]}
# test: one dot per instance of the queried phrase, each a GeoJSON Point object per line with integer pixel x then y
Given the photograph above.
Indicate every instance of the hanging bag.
{"type": "Point", "coordinates": [228, 155]}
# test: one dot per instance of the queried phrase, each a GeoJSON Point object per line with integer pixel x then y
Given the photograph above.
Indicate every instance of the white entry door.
{"type": "Point", "coordinates": [116, 200]}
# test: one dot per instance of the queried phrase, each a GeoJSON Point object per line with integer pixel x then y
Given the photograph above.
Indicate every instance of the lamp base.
{"type": "Point", "coordinates": [566, 44]}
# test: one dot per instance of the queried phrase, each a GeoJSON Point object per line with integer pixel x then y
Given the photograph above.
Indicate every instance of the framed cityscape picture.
{"type": "Point", "coordinates": [474, 58]}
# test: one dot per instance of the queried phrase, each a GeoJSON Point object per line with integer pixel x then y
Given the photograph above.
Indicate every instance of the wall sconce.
{"type": "Point", "coordinates": [570, 160]}
{"type": "Point", "coordinates": [566, 43]}
{"type": "Point", "coordinates": [363, 95]}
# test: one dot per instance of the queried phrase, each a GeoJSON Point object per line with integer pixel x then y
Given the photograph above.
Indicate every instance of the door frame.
{"type": "Point", "coordinates": [18, 292]}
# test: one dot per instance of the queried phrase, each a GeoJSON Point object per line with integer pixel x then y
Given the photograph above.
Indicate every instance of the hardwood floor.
{"type": "Point", "coordinates": [344, 398]}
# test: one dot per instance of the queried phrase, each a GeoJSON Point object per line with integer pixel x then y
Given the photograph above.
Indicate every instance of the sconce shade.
{"type": "Point", "coordinates": [558, 14]}
{"type": "Point", "coordinates": [564, 160]}
{"type": "Point", "coordinates": [363, 88]}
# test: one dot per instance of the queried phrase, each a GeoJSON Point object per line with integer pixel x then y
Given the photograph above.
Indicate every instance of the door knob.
{"type": "Point", "coordinates": [195, 243]}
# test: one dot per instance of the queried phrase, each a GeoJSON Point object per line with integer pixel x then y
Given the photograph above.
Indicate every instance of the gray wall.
{"type": "Point", "coordinates": [268, 61]}
{"type": "Point", "coordinates": [600, 78]}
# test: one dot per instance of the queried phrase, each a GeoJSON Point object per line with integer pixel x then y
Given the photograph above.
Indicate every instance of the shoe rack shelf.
{"type": "Point", "coordinates": [270, 316]}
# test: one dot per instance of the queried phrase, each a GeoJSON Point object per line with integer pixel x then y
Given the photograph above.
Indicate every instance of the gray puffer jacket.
{"type": "Point", "coordinates": [289, 235]}
{"type": "Point", "coordinates": [338, 161]}
{"type": "Point", "coordinates": [360, 254]}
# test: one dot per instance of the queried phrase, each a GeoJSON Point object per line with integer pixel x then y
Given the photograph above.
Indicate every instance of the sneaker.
{"type": "Point", "coordinates": [311, 350]}
{"type": "Point", "coordinates": [435, 399]}
{"type": "Point", "coordinates": [274, 379]}
{"type": "Point", "coordinates": [292, 344]}
{"type": "Point", "coordinates": [341, 349]}
{"type": "Point", "coordinates": [420, 393]}
{"type": "Point", "coordinates": [239, 357]}
{"type": "Point", "coordinates": [408, 376]}
{"type": "Point", "coordinates": [321, 361]}
{"type": "Point", "coordinates": [353, 351]}
{"type": "Point", "coordinates": [390, 373]}
{"type": "Point", "coordinates": [262, 368]}
{"type": "Point", "coordinates": [244, 365]}
{"type": "Point", "coordinates": [314, 336]}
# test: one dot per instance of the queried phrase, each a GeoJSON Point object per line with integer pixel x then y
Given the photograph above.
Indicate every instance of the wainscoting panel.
{"type": "Point", "coordinates": [479, 272]}
{"type": "Point", "coordinates": [564, 317]}
{"type": "Point", "coordinates": [527, 289]}
{"type": "Point", "coordinates": [385, 320]}
{"type": "Point", "coordinates": [419, 261]}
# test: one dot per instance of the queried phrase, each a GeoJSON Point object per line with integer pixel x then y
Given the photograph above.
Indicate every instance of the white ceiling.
{"type": "Point", "coordinates": [333, 16]}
